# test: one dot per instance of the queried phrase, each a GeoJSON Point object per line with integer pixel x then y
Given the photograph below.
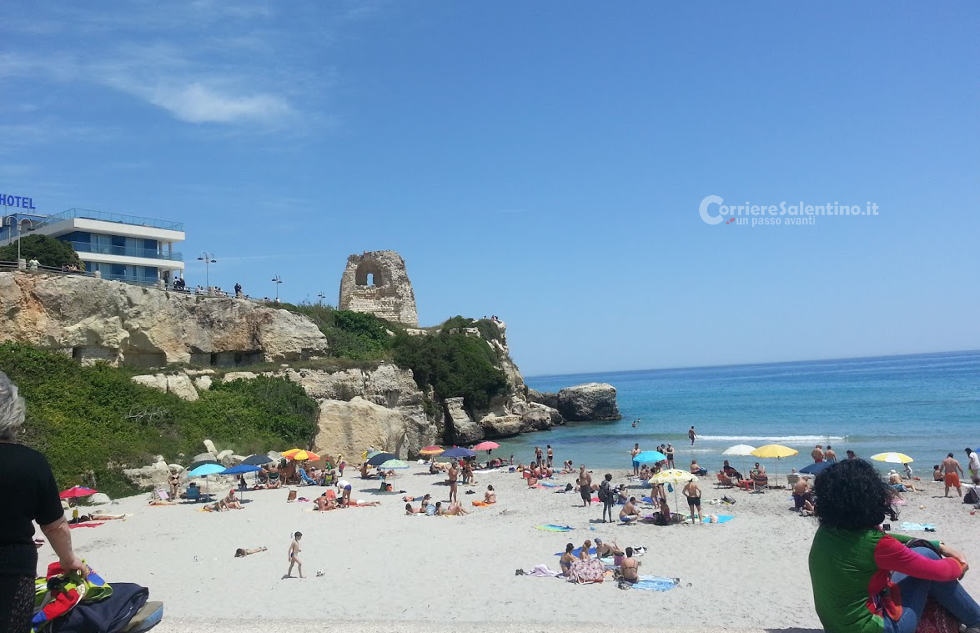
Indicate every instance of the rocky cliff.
{"type": "Point", "coordinates": [93, 319]}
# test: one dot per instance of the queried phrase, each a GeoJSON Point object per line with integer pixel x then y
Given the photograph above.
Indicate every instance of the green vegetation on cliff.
{"type": "Point", "coordinates": [91, 422]}
{"type": "Point", "coordinates": [446, 359]}
{"type": "Point", "coordinates": [47, 250]}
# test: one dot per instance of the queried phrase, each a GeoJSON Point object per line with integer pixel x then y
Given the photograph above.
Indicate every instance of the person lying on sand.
{"type": "Point", "coordinates": [605, 550]}
{"type": "Point", "coordinates": [248, 551]}
{"type": "Point", "coordinates": [455, 509]}
{"type": "Point", "coordinates": [324, 503]}
{"type": "Point", "coordinates": [409, 510]}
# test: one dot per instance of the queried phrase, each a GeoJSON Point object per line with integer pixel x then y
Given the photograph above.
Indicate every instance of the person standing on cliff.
{"type": "Point", "coordinates": [453, 476]}
{"type": "Point", "coordinates": [691, 434]}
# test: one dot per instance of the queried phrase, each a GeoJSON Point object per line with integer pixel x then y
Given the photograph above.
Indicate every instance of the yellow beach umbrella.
{"type": "Point", "coordinates": [672, 476]}
{"type": "Point", "coordinates": [432, 450]}
{"type": "Point", "coordinates": [300, 455]}
{"type": "Point", "coordinates": [893, 458]}
{"type": "Point", "coordinates": [775, 451]}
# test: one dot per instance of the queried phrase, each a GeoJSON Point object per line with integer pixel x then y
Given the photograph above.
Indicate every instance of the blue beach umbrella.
{"type": "Point", "coordinates": [816, 468]}
{"type": "Point", "coordinates": [458, 451]}
{"type": "Point", "coordinates": [380, 458]}
{"type": "Point", "coordinates": [206, 469]}
{"type": "Point", "coordinates": [645, 457]}
{"type": "Point", "coordinates": [240, 469]}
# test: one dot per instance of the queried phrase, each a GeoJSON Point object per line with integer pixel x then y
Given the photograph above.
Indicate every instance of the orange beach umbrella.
{"type": "Point", "coordinates": [431, 450]}
{"type": "Point", "coordinates": [300, 455]}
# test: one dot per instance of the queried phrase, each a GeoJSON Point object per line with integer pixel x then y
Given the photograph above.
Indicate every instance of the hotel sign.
{"type": "Point", "coordinates": [19, 202]}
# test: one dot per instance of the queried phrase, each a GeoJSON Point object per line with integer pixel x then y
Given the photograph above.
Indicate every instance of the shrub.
{"type": "Point", "coordinates": [91, 422]}
{"type": "Point", "coordinates": [47, 250]}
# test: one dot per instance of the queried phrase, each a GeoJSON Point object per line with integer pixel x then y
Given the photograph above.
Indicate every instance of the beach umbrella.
{"type": "Point", "coordinates": [893, 458]}
{"type": "Point", "coordinates": [240, 469]}
{"type": "Point", "coordinates": [257, 460]}
{"type": "Point", "coordinates": [486, 446]}
{"type": "Point", "coordinates": [300, 455]}
{"type": "Point", "coordinates": [739, 450]}
{"type": "Point", "coordinates": [645, 457]}
{"type": "Point", "coordinates": [380, 458]}
{"type": "Point", "coordinates": [774, 451]}
{"type": "Point", "coordinates": [431, 450]}
{"type": "Point", "coordinates": [204, 470]}
{"type": "Point", "coordinates": [673, 476]}
{"type": "Point", "coordinates": [815, 468]}
{"type": "Point", "coordinates": [75, 492]}
{"type": "Point", "coordinates": [370, 454]}
{"type": "Point", "coordinates": [458, 451]}
{"type": "Point", "coordinates": [393, 464]}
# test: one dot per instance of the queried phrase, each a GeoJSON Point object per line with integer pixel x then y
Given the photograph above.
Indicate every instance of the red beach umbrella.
{"type": "Point", "coordinates": [486, 446]}
{"type": "Point", "coordinates": [76, 491]}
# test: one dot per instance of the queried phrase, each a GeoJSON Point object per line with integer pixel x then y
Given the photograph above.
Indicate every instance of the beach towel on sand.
{"type": "Point", "coordinates": [654, 583]}
{"type": "Point", "coordinates": [586, 571]}
{"type": "Point", "coordinates": [480, 504]}
{"type": "Point", "coordinates": [918, 527]}
{"type": "Point", "coordinates": [551, 527]}
{"type": "Point", "coordinates": [81, 525]}
{"type": "Point", "coordinates": [548, 484]}
{"type": "Point", "coordinates": [542, 571]}
{"type": "Point", "coordinates": [577, 552]}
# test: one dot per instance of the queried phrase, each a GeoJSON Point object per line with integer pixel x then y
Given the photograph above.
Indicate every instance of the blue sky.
{"type": "Point", "coordinates": [541, 161]}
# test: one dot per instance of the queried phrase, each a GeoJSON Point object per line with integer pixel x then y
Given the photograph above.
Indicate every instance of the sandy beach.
{"type": "Point", "coordinates": [384, 571]}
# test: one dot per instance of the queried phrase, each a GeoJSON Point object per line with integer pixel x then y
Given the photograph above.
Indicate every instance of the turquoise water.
{"type": "Point", "coordinates": [923, 405]}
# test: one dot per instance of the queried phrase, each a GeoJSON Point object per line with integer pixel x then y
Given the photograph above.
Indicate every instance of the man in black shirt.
{"type": "Point", "coordinates": [30, 494]}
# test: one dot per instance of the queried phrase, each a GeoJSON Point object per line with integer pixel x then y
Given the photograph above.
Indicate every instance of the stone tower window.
{"type": "Point", "coordinates": [368, 274]}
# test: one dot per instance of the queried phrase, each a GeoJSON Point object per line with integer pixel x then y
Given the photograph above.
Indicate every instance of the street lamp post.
{"type": "Point", "coordinates": [277, 280]}
{"type": "Point", "coordinates": [208, 259]}
{"type": "Point", "coordinates": [14, 223]}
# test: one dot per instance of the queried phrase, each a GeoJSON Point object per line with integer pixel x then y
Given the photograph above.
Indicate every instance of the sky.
{"type": "Point", "coordinates": [545, 162]}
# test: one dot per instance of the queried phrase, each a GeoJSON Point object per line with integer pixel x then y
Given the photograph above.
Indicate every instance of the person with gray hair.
{"type": "Point", "coordinates": [30, 494]}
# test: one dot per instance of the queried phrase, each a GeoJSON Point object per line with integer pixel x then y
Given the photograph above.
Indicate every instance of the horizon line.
{"type": "Point", "coordinates": [756, 364]}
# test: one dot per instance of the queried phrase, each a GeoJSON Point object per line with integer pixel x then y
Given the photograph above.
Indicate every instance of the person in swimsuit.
{"type": "Point", "coordinates": [567, 559]}
{"type": "Point", "coordinates": [584, 553]}
{"type": "Point", "coordinates": [817, 454]}
{"type": "Point", "coordinates": [585, 486]}
{"type": "Point", "coordinates": [952, 470]}
{"type": "Point", "coordinates": [630, 567]}
{"type": "Point", "coordinates": [691, 434]}
{"type": "Point", "coordinates": [629, 513]}
{"type": "Point", "coordinates": [294, 550]}
{"type": "Point", "coordinates": [829, 455]}
{"type": "Point", "coordinates": [937, 473]}
{"type": "Point", "coordinates": [551, 456]}
{"type": "Point", "coordinates": [693, 494]}
{"type": "Point", "coordinates": [669, 452]}
{"type": "Point", "coordinates": [633, 454]}
{"type": "Point", "coordinates": [453, 476]}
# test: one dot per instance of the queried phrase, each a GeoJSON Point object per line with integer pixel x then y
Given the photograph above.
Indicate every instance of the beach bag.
{"type": "Point", "coordinates": [110, 615]}
{"type": "Point", "coordinates": [971, 496]}
{"type": "Point", "coordinates": [604, 493]}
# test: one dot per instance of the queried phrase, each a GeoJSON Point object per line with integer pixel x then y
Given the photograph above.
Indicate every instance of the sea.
{"type": "Point", "coordinates": [924, 405]}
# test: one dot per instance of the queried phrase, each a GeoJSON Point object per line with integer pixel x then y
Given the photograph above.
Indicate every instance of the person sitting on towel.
{"type": "Point", "coordinates": [605, 550]}
{"type": "Point", "coordinates": [630, 567]}
{"type": "Point", "coordinates": [567, 559]}
{"type": "Point", "coordinates": [490, 496]}
{"type": "Point", "coordinates": [231, 501]}
{"type": "Point", "coordinates": [584, 553]}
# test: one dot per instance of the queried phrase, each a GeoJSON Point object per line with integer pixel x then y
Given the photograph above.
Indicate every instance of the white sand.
{"type": "Point", "coordinates": [385, 571]}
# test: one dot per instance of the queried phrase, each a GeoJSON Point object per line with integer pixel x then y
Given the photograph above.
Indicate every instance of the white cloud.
{"type": "Point", "coordinates": [196, 103]}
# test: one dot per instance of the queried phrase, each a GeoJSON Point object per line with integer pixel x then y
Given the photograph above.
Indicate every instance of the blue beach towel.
{"type": "Point", "coordinates": [551, 527]}
{"type": "Point", "coordinates": [548, 484]}
{"type": "Point", "coordinates": [654, 583]}
{"type": "Point", "coordinates": [918, 527]}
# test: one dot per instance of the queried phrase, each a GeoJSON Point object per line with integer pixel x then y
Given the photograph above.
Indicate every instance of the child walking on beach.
{"type": "Point", "coordinates": [294, 550]}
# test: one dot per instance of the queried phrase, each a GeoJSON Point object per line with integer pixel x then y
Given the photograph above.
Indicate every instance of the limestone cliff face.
{"type": "Point", "coordinates": [93, 319]}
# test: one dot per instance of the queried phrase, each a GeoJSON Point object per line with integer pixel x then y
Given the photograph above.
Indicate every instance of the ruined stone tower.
{"type": "Point", "coordinates": [376, 282]}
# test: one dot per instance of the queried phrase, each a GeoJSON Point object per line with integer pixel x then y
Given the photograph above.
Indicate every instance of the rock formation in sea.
{"type": "Point", "coordinates": [588, 402]}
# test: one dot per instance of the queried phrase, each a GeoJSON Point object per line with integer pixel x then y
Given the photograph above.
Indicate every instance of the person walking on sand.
{"type": "Point", "coordinates": [952, 470]}
{"type": "Point", "coordinates": [691, 434]}
{"type": "Point", "coordinates": [633, 454]}
{"type": "Point", "coordinates": [693, 494]}
{"type": "Point", "coordinates": [585, 486]}
{"type": "Point", "coordinates": [294, 550]}
{"type": "Point", "coordinates": [453, 476]}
